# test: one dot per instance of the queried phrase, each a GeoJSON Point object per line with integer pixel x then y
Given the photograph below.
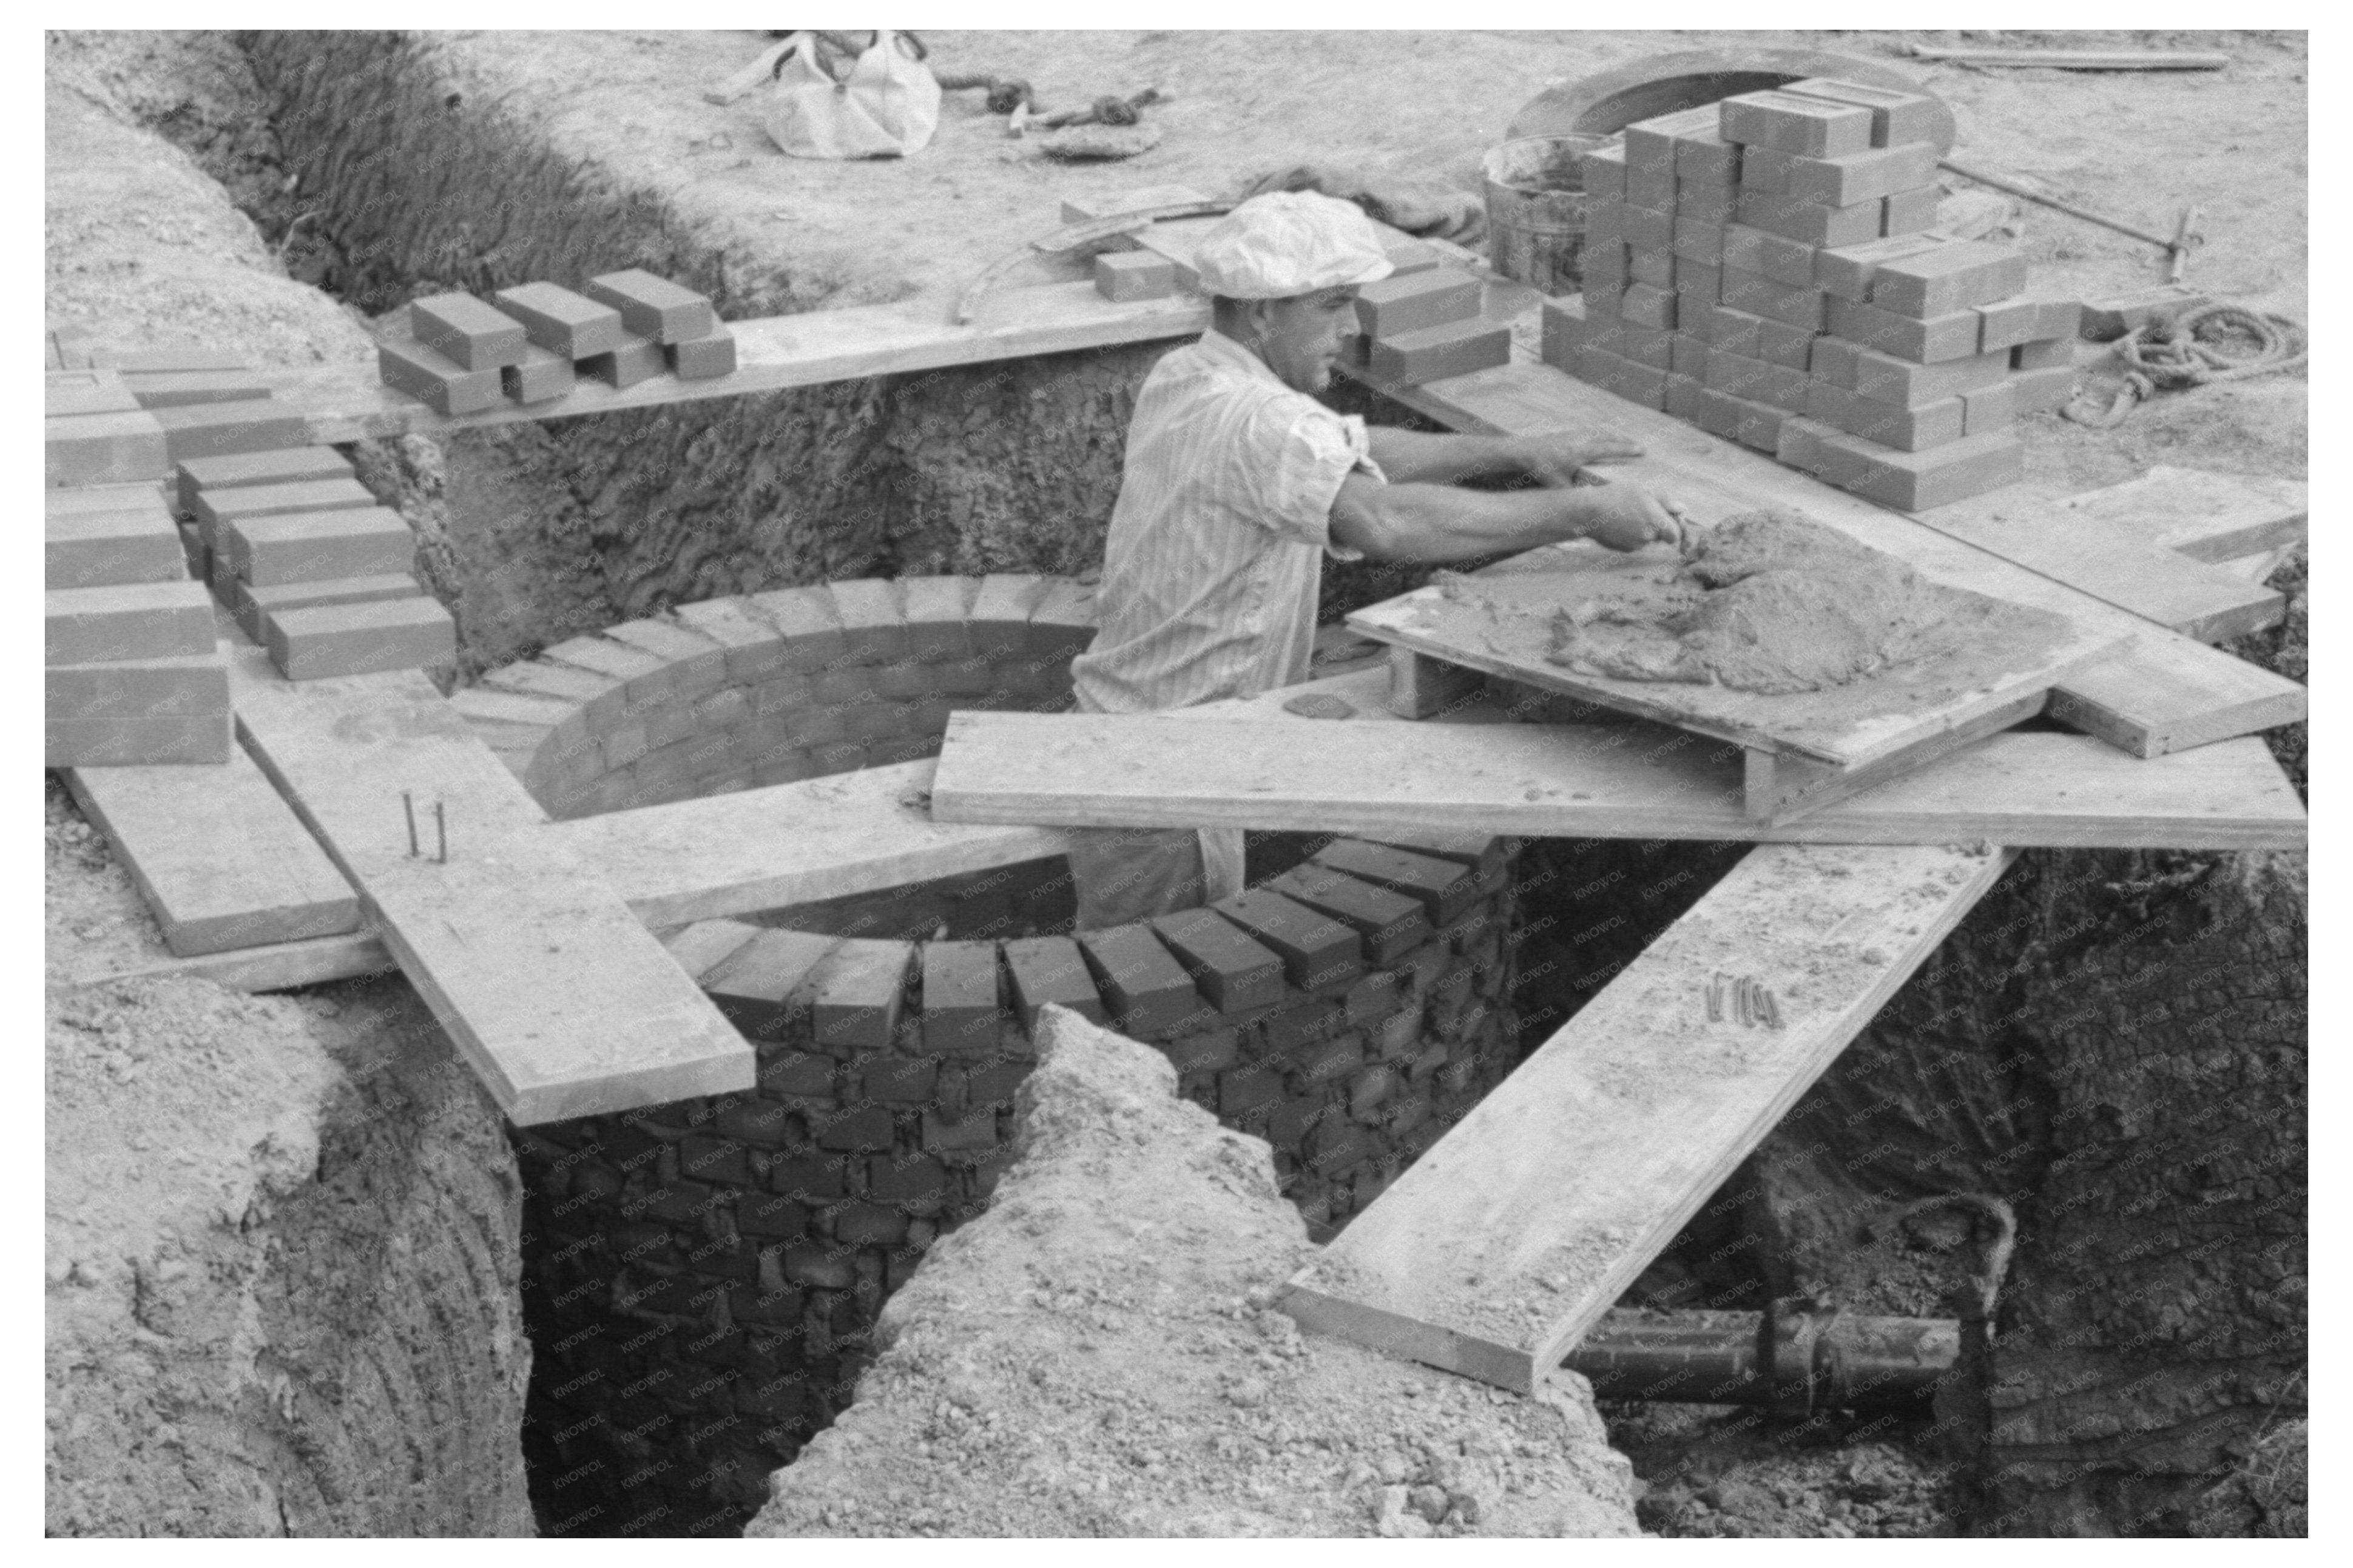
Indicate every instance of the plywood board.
{"type": "Point", "coordinates": [222, 861]}
{"type": "Point", "coordinates": [346, 402]}
{"type": "Point", "coordinates": [2160, 692]}
{"type": "Point", "coordinates": [555, 992]}
{"type": "Point", "coordinates": [1495, 1252]}
{"type": "Point", "coordinates": [1634, 781]}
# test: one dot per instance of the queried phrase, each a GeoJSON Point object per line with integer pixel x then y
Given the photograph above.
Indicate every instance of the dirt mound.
{"type": "Point", "coordinates": [1099, 1354]}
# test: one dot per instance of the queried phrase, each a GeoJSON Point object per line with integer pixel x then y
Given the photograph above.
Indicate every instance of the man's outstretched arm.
{"type": "Point", "coordinates": [1436, 523]}
{"type": "Point", "coordinates": [1553, 457]}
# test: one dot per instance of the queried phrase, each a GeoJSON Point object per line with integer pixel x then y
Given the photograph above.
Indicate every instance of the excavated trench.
{"type": "Point", "coordinates": [2112, 1042]}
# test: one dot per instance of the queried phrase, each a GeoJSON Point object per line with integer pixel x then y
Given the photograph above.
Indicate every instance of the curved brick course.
{"type": "Point", "coordinates": [767, 688]}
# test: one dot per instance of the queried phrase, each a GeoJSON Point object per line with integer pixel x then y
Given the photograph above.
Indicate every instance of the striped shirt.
{"type": "Point", "coordinates": [1216, 551]}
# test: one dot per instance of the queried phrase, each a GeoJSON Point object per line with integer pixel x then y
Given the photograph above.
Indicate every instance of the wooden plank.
{"type": "Point", "coordinates": [1632, 781]}
{"type": "Point", "coordinates": [790, 843]}
{"type": "Point", "coordinates": [346, 402]}
{"type": "Point", "coordinates": [222, 863]}
{"type": "Point", "coordinates": [2161, 692]}
{"type": "Point", "coordinates": [1776, 790]}
{"type": "Point", "coordinates": [1495, 1252]}
{"type": "Point", "coordinates": [277, 965]}
{"type": "Point", "coordinates": [2078, 59]}
{"type": "Point", "coordinates": [1501, 623]}
{"type": "Point", "coordinates": [2114, 548]}
{"type": "Point", "coordinates": [559, 997]}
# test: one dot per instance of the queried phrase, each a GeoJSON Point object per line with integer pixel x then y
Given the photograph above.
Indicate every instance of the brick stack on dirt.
{"type": "Point", "coordinates": [1766, 268]}
{"type": "Point", "coordinates": [298, 550]}
{"type": "Point", "coordinates": [460, 355]}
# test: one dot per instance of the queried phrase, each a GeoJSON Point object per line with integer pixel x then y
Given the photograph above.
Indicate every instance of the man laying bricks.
{"type": "Point", "coordinates": [1238, 482]}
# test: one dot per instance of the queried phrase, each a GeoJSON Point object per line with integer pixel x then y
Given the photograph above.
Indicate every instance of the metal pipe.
{"type": "Point", "coordinates": [1793, 1359]}
{"type": "Point", "coordinates": [2168, 245]}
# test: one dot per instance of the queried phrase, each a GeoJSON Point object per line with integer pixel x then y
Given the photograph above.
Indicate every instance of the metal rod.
{"type": "Point", "coordinates": [408, 807]}
{"type": "Point", "coordinates": [441, 828]}
{"type": "Point", "coordinates": [2181, 256]}
{"type": "Point", "coordinates": [2057, 206]}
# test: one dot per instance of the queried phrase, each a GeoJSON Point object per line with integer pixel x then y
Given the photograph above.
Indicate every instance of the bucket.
{"type": "Point", "coordinates": [1535, 209]}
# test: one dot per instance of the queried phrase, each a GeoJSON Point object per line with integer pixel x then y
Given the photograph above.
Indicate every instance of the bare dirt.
{"type": "Point", "coordinates": [1100, 1355]}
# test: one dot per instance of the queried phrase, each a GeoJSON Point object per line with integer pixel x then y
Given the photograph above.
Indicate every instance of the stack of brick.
{"type": "Point", "coordinates": [298, 552]}
{"type": "Point", "coordinates": [129, 422]}
{"type": "Point", "coordinates": [1424, 323]}
{"type": "Point", "coordinates": [134, 672]}
{"type": "Point", "coordinates": [709, 1273]}
{"type": "Point", "coordinates": [460, 355]}
{"type": "Point", "coordinates": [1766, 268]}
{"type": "Point", "coordinates": [771, 688]}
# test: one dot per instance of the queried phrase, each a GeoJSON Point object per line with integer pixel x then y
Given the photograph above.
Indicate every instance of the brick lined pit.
{"type": "Point", "coordinates": [703, 1276]}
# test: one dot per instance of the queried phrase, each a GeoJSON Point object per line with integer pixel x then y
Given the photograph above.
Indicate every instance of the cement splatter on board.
{"type": "Point", "coordinates": [1771, 602]}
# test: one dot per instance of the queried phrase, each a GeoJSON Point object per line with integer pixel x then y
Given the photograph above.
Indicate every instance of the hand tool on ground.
{"type": "Point", "coordinates": [2176, 249]}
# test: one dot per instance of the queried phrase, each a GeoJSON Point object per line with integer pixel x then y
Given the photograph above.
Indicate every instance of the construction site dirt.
{"type": "Point", "coordinates": [289, 1241]}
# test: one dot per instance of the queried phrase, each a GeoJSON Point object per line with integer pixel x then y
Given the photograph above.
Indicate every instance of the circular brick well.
{"type": "Point", "coordinates": [702, 1276]}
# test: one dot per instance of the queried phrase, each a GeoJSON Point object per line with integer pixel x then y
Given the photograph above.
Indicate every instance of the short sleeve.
{"type": "Point", "coordinates": [1315, 451]}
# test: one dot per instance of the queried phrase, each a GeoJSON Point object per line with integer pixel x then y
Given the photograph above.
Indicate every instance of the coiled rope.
{"type": "Point", "coordinates": [2173, 354]}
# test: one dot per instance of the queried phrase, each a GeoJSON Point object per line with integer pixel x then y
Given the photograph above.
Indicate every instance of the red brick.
{"type": "Point", "coordinates": [919, 1180]}
{"type": "Point", "coordinates": [770, 1214]}
{"type": "Point", "coordinates": [812, 1177]}
{"type": "Point", "coordinates": [561, 322]}
{"type": "Point", "coordinates": [697, 665]}
{"type": "Point", "coordinates": [1445, 889]}
{"type": "Point", "coordinates": [1051, 969]}
{"type": "Point", "coordinates": [255, 606]}
{"type": "Point", "coordinates": [315, 547]}
{"type": "Point", "coordinates": [936, 627]}
{"type": "Point", "coordinates": [2005, 323]}
{"type": "Point", "coordinates": [1810, 127]}
{"type": "Point", "coordinates": [1210, 1050]}
{"type": "Point", "coordinates": [1909, 430]}
{"type": "Point", "coordinates": [1897, 381]}
{"type": "Point", "coordinates": [1244, 1091]}
{"type": "Point", "coordinates": [1432, 354]}
{"type": "Point", "coordinates": [652, 307]}
{"type": "Point", "coordinates": [218, 507]}
{"type": "Point", "coordinates": [1915, 482]}
{"type": "Point", "coordinates": [361, 638]}
{"type": "Point", "coordinates": [106, 549]}
{"type": "Point", "coordinates": [1833, 359]}
{"type": "Point", "coordinates": [943, 1134]}
{"type": "Point", "coordinates": [960, 998]}
{"type": "Point", "coordinates": [538, 377]}
{"type": "Point", "coordinates": [1148, 991]}
{"type": "Point", "coordinates": [434, 379]}
{"type": "Point", "coordinates": [1688, 354]}
{"type": "Point", "coordinates": [1789, 262]}
{"type": "Point", "coordinates": [1923, 342]}
{"type": "Point", "coordinates": [1387, 922]}
{"type": "Point", "coordinates": [1230, 967]}
{"type": "Point", "coordinates": [2038, 390]}
{"type": "Point", "coordinates": [1759, 295]}
{"type": "Point", "coordinates": [1767, 169]}
{"type": "Point", "coordinates": [1735, 330]}
{"type": "Point", "coordinates": [897, 1080]}
{"type": "Point", "coordinates": [875, 626]}
{"type": "Point", "coordinates": [462, 328]}
{"type": "Point", "coordinates": [1650, 186]}
{"type": "Point", "coordinates": [1122, 276]}
{"type": "Point", "coordinates": [1318, 952]}
{"type": "Point", "coordinates": [990, 1086]}
{"type": "Point", "coordinates": [1683, 396]}
{"type": "Point", "coordinates": [238, 470]}
{"type": "Point", "coordinates": [1988, 408]}
{"type": "Point", "coordinates": [125, 742]}
{"type": "Point", "coordinates": [764, 985]}
{"type": "Point", "coordinates": [1896, 117]}
{"type": "Point", "coordinates": [1952, 277]}
{"type": "Point", "coordinates": [1653, 268]}
{"type": "Point", "coordinates": [704, 358]}
{"type": "Point", "coordinates": [626, 363]}
{"type": "Point", "coordinates": [1759, 425]}
{"type": "Point", "coordinates": [819, 1267]}
{"type": "Point", "coordinates": [865, 1128]}
{"type": "Point", "coordinates": [1868, 175]}
{"type": "Point", "coordinates": [129, 621]}
{"type": "Point", "coordinates": [1778, 343]}
{"type": "Point", "coordinates": [1846, 271]}
{"type": "Point", "coordinates": [1603, 267]}
{"type": "Point", "coordinates": [1647, 306]}
{"type": "Point", "coordinates": [192, 686]}
{"type": "Point", "coordinates": [1801, 442]}
{"type": "Point", "coordinates": [1795, 217]}
{"type": "Point", "coordinates": [721, 1160]}
{"type": "Point", "coordinates": [2057, 318]}
{"type": "Point", "coordinates": [1738, 376]}
{"type": "Point", "coordinates": [857, 992]}
{"type": "Point", "coordinates": [104, 448]}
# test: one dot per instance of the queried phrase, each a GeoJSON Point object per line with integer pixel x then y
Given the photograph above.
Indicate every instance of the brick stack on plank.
{"type": "Point", "coordinates": [310, 566]}
{"type": "Point", "coordinates": [1424, 325]}
{"type": "Point", "coordinates": [1766, 268]}
{"type": "Point", "coordinates": [133, 672]}
{"type": "Point", "coordinates": [461, 355]}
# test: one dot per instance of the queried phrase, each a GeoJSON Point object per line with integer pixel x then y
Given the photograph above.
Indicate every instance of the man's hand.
{"type": "Point", "coordinates": [1554, 457]}
{"type": "Point", "coordinates": [1624, 516]}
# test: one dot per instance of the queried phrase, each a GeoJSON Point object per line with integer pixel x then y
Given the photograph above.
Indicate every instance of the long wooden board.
{"type": "Point", "coordinates": [1634, 781]}
{"type": "Point", "coordinates": [555, 992]}
{"type": "Point", "coordinates": [346, 402]}
{"type": "Point", "coordinates": [790, 843]}
{"type": "Point", "coordinates": [221, 861]}
{"type": "Point", "coordinates": [1504, 1243]}
{"type": "Point", "coordinates": [2159, 692]}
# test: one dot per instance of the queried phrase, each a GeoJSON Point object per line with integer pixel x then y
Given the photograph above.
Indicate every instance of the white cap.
{"type": "Point", "coordinates": [1283, 243]}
